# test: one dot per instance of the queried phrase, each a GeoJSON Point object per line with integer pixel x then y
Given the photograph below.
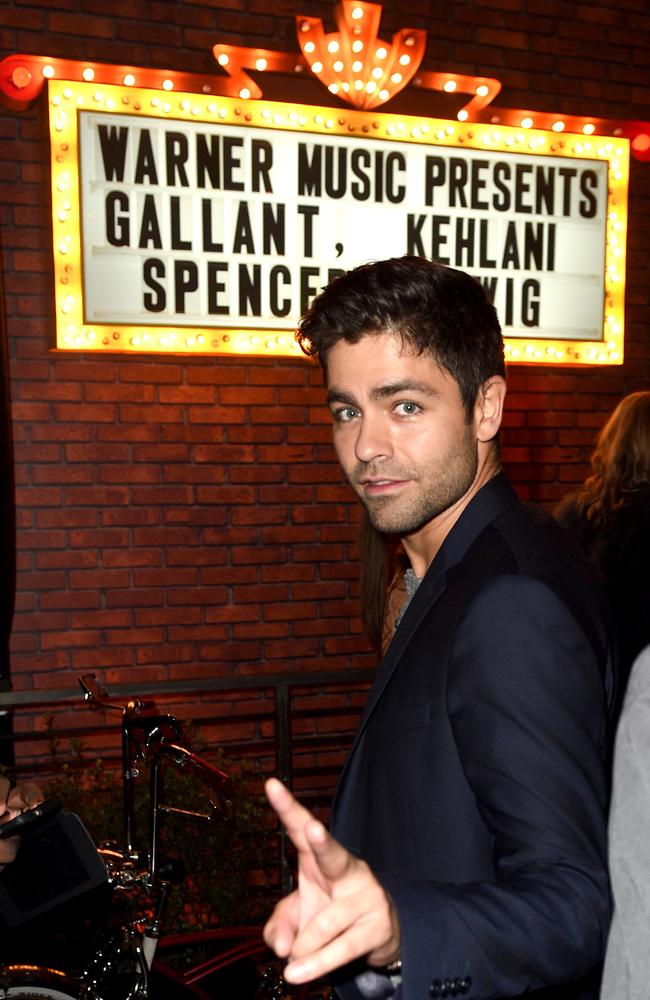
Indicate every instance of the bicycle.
{"type": "Point", "coordinates": [133, 961]}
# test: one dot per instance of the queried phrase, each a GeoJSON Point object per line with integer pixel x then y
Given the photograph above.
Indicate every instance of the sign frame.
{"type": "Point", "coordinates": [67, 98]}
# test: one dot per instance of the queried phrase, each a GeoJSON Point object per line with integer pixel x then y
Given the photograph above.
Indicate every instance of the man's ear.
{"type": "Point", "coordinates": [489, 408]}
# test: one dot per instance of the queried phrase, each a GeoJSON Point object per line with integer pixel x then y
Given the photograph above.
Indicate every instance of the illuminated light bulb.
{"type": "Point", "coordinates": [588, 128]}
{"type": "Point", "coordinates": [21, 77]}
{"type": "Point", "coordinates": [358, 84]}
{"type": "Point", "coordinates": [154, 102]}
{"type": "Point", "coordinates": [223, 59]}
{"type": "Point", "coordinates": [244, 93]}
{"type": "Point", "coordinates": [318, 119]}
{"type": "Point", "coordinates": [526, 122]}
{"type": "Point", "coordinates": [558, 126]}
{"type": "Point", "coordinates": [293, 117]}
{"type": "Point", "coordinates": [396, 77]}
{"type": "Point", "coordinates": [377, 72]}
{"type": "Point", "coordinates": [482, 91]}
{"type": "Point", "coordinates": [88, 74]}
{"type": "Point", "coordinates": [63, 248]}
{"type": "Point", "coordinates": [48, 71]}
{"type": "Point", "coordinates": [277, 119]}
{"type": "Point", "coordinates": [212, 108]}
{"type": "Point", "coordinates": [371, 87]}
{"type": "Point", "coordinates": [223, 113]}
{"type": "Point", "coordinates": [357, 13]}
{"type": "Point", "coordinates": [462, 115]}
{"type": "Point", "coordinates": [316, 67]}
{"type": "Point", "coordinates": [110, 103]}
{"type": "Point", "coordinates": [128, 80]}
{"type": "Point", "coordinates": [329, 123]}
{"type": "Point", "coordinates": [357, 45]}
{"type": "Point", "coordinates": [338, 66]}
{"type": "Point", "coordinates": [384, 94]}
{"type": "Point", "coordinates": [333, 46]}
{"type": "Point", "coordinates": [271, 345]}
{"type": "Point", "coordinates": [440, 135]}
{"type": "Point", "coordinates": [168, 84]}
{"type": "Point", "coordinates": [404, 60]}
{"type": "Point", "coordinates": [196, 111]}
{"type": "Point", "coordinates": [381, 52]}
{"type": "Point", "coordinates": [416, 133]}
{"type": "Point", "coordinates": [357, 66]}
{"type": "Point", "coordinates": [344, 86]}
{"type": "Point", "coordinates": [450, 86]}
{"type": "Point", "coordinates": [309, 46]}
{"type": "Point", "coordinates": [185, 105]}
{"type": "Point", "coordinates": [190, 341]}
{"type": "Point", "coordinates": [261, 64]}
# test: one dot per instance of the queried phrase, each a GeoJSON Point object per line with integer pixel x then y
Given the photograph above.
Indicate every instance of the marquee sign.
{"type": "Point", "coordinates": [194, 224]}
{"type": "Point", "coordinates": [191, 215]}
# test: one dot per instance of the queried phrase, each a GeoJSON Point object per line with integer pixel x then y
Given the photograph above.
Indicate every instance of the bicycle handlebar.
{"type": "Point", "coordinates": [218, 780]}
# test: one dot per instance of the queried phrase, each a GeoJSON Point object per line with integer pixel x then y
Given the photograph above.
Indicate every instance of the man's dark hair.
{"type": "Point", "coordinates": [435, 309]}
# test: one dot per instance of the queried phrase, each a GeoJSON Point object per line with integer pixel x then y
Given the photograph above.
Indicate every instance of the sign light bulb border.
{"type": "Point", "coordinates": [73, 333]}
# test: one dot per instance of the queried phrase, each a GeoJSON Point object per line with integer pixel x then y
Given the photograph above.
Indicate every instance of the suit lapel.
{"type": "Point", "coordinates": [494, 498]}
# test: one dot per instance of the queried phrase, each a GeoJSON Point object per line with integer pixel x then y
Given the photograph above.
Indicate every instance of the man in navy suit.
{"type": "Point", "coordinates": [467, 854]}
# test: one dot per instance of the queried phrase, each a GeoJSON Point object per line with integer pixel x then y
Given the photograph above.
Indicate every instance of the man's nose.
{"type": "Point", "coordinates": [373, 440]}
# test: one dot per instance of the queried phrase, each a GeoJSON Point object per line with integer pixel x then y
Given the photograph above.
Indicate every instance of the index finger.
{"type": "Point", "coordinates": [293, 816]}
{"type": "Point", "coordinates": [307, 833]}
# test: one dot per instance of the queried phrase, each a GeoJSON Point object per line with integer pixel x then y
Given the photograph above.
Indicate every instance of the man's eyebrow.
{"type": "Point", "coordinates": [338, 396]}
{"type": "Point", "coordinates": [383, 391]}
{"type": "Point", "coordinates": [403, 385]}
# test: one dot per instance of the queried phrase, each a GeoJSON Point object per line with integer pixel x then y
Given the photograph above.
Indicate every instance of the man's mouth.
{"type": "Point", "coordinates": [381, 486]}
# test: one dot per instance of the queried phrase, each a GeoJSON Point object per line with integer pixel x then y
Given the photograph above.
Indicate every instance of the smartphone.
{"type": "Point", "coordinates": [31, 819]}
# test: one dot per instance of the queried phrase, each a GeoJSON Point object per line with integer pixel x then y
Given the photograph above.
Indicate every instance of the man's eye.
{"type": "Point", "coordinates": [407, 409]}
{"type": "Point", "coordinates": [345, 415]}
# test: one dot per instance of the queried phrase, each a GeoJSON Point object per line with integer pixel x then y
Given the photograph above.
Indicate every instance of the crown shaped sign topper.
{"type": "Point", "coordinates": [354, 63]}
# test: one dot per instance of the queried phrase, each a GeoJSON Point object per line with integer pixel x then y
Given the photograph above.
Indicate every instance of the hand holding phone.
{"type": "Point", "coordinates": [14, 800]}
{"type": "Point", "coordinates": [31, 819]}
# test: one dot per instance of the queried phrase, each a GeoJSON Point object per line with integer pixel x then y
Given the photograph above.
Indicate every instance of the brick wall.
{"type": "Point", "coordinates": [182, 518]}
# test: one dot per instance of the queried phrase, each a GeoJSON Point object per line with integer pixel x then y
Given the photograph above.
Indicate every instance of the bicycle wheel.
{"type": "Point", "coordinates": [32, 983]}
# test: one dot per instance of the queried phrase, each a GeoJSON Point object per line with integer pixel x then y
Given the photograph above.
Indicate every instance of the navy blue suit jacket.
{"type": "Point", "coordinates": [476, 787]}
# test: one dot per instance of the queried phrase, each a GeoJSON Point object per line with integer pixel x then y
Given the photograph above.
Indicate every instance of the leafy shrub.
{"type": "Point", "coordinates": [231, 873]}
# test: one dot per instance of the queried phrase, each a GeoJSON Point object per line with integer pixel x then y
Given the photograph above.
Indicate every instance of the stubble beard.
{"type": "Point", "coordinates": [433, 494]}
